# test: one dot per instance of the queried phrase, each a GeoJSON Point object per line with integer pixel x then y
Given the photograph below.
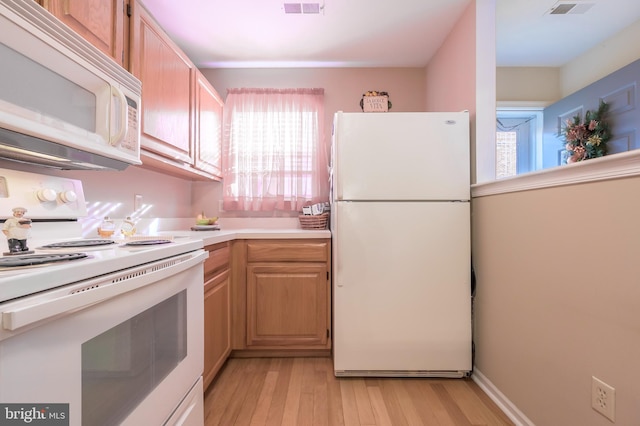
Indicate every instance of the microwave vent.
{"type": "Point", "coordinates": [26, 149]}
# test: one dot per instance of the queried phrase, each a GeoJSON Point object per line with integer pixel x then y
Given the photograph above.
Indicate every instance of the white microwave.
{"type": "Point", "coordinates": [63, 103]}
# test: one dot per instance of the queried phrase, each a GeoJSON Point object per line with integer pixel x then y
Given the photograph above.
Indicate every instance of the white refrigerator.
{"type": "Point", "coordinates": [400, 223]}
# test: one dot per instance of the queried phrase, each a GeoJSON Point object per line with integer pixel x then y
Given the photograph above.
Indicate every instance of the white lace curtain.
{"type": "Point", "coordinates": [275, 156]}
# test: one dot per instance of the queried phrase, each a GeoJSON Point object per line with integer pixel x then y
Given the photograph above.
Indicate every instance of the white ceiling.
{"type": "Point", "coordinates": [376, 33]}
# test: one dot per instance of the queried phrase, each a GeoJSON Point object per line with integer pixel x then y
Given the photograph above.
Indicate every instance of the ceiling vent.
{"type": "Point", "coordinates": [303, 8]}
{"type": "Point", "coordinates": [570, 8]}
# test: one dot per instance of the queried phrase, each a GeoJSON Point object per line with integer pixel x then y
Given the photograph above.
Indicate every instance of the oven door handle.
{"type": "Point", "coordinates": [98, 290]}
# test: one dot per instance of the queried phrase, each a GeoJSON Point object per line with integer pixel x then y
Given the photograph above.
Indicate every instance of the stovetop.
{"type": "Point", "coordinates": [33, 260]}
{"type": "Point", "coordinates": [90, 262]}
{"type": "Point", "coordinates": [78, 244]}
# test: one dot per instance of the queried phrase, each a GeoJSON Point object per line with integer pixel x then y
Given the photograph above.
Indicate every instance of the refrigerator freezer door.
{"type": "Point", "coordinates": [401, 156]}
{"type": "Point", "coordinates": [402, 290]}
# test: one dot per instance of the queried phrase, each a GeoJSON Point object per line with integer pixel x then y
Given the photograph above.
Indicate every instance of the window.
{"type": "Point", "coordinates": [275, 156]}
{"type": "Point", "coordinates": [506, 153]}
{"type": "Point", "coordinates": [518, 141]}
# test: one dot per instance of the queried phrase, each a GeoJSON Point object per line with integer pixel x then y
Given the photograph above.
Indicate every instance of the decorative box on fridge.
{"type": "Point", "coordinates": [374, 101]}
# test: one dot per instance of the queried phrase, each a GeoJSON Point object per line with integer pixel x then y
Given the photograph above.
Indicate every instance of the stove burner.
{"type": "Point", "coordinates": [146, 242]}
{"type": "Point", "coordinates": [38, 259]}
{"type": "Point", "coordinates": [79, 243]}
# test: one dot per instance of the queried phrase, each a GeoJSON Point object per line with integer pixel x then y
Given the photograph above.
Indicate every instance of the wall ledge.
{"type": "Point", "coordinates": [616, 166]}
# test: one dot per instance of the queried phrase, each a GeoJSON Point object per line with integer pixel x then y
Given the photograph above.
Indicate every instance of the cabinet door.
{"type": "Point", "coordinates": [167, 76]}
{"type": "Point", "coordinates": [100, 22]}
{"type": "Point", "coordinates": [219, 256]}
{"type": "Point", "coordinates": [208, 128]}
{"type": "Point", "coordinates": [217, 325]}
{"type": "Point", "coordinates": [287, 305]}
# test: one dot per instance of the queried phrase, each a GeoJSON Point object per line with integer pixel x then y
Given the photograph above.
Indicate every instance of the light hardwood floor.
{"type": "Point", "coordinates": [304, 391]}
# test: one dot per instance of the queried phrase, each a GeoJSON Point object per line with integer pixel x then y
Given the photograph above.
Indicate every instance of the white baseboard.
{"type": "Point", "coordinates": [508, 407]}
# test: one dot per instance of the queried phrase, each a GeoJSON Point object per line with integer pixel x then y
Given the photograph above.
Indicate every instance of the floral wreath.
{"type": "Point", "coordinates": [375, 93]}
{"type": "Point", "coordinates": [587, 139]}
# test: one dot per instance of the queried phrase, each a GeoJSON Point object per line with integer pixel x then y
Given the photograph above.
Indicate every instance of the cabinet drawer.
{"type": "Point", "coordinates": [218, 258]}
{"type": "Point", "coordinates": [287, 251]}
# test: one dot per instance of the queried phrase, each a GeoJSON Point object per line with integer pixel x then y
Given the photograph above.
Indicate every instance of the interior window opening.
{"type": "Point", "coordinates": [518, 141]}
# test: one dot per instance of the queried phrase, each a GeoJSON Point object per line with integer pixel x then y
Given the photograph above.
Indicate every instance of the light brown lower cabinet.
{"type": "Point", "coordinates": [282, 297]}
{"type": "Point", "coordinates": [287, 305]}
{"type": "Point", "coordinates": [217, 311]}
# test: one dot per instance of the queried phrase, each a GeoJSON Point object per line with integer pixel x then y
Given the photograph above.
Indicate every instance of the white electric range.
{"type": "Point", "coordinates": [112, 333]}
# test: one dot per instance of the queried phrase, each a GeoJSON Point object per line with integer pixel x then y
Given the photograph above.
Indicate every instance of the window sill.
{"type": "Point", "coordinates": [605, 168]}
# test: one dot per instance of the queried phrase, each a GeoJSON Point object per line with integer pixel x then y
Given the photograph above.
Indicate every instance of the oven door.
{"type": "Point", "coordinates": [121, 349]}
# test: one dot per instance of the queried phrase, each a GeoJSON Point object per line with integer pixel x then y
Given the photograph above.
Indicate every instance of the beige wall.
{"type": "Point", "coordinates": [558, 298]}
{"type": "Point", "coordinates": [602, 60]}
{"type": "Point", "coordinates": [533, 84]}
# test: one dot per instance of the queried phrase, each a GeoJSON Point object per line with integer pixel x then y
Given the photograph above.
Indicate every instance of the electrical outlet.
{"type": "Point", "coordinates": [137, 202]}
{"type": "Point", "coordinates": [603, 398]}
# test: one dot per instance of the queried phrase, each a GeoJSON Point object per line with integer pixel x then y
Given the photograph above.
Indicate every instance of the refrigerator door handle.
{"type": "Point", "coordinates": [335, 258]}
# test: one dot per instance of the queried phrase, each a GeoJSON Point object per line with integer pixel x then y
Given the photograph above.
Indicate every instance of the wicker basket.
{"type": "Point", "coordinates": [319, 221]}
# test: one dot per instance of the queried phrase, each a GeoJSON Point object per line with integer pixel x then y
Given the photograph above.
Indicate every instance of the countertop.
{"type": "Point", "coordinates": [213, 237]}
{"type": "Point", "coordinates": [231, 229]}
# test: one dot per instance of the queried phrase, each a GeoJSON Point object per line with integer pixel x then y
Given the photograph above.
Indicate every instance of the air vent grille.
{"type": "Point", "coordinates": [563, 9]}
{"type": "Point", "coordinates": [302, 8]}
{"type": "Point", "coordinates": [570, 8]}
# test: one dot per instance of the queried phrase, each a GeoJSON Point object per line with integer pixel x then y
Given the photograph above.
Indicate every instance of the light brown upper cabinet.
{"type": "Point", "coordinates": [167, 77]}
{"type": "Point", "coordinates": [208, 127]}
{"type": "Point", "coordinates": [101, 22]}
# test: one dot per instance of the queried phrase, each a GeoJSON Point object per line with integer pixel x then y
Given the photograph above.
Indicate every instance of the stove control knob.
{"type": "Point", "coordinates": [47, 194]}
{"type": "Point", "coordinates": [68, 196]}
